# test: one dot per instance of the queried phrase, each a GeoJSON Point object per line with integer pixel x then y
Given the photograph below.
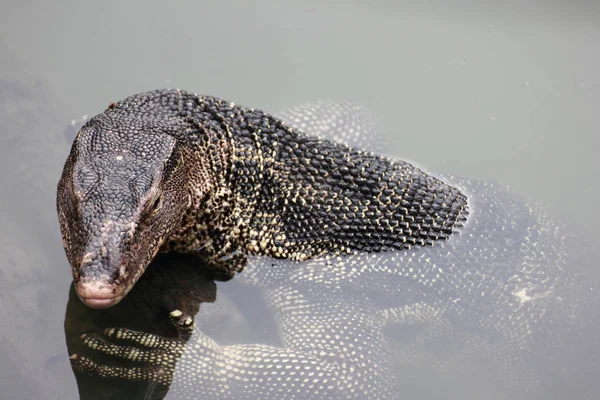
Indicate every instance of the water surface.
{"type": "Point", "coordinates": [505, 92]}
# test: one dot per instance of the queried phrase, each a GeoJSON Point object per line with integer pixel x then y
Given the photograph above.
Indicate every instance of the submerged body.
{"type": "Point", "coordinates": [169, 170]}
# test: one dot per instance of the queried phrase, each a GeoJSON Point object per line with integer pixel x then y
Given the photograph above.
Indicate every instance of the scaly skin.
{"type": "Point", "coordinates": [169, 170]}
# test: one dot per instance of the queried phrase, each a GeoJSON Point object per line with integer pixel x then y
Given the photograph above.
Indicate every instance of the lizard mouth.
{"type": "Point", "coordinates": [99, 303]}
{"type": "Point", "coordinates": [98, 295]}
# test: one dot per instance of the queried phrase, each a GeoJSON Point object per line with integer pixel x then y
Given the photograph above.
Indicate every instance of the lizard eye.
{"type": "Point", "coordinates": [156, 206]}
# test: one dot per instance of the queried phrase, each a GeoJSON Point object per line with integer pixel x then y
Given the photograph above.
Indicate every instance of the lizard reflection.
{"type": "Point", "coordinates": [172, 282]}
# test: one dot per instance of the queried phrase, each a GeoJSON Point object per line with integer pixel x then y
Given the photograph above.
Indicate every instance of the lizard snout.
{"type": "Point", "coordinates": [98, 294]}
{"type": "Point", "coordinates": [99, 276]}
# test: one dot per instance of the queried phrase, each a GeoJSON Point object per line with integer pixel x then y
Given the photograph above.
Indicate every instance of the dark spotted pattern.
{"type": "Point", "coordinates": [175, 171]}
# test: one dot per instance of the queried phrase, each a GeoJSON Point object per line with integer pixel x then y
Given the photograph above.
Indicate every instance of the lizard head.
{"type": "Point", "coordinates": [122, 192]}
